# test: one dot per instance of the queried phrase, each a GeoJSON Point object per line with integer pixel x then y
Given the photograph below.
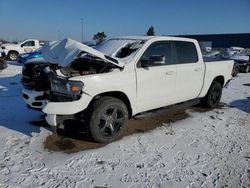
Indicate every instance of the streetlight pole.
{"type": "Point", "coordinates": [82, 28]}
{"type": "Point", "coordinates": [59, 34]}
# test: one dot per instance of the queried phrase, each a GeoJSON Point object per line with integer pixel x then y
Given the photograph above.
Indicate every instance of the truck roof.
{"type": "Point", "coordinates": [152, 37]}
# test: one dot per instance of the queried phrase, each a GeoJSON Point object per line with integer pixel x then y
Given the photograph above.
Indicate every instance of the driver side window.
{"type": "Point", "coordinates": [157, 54]}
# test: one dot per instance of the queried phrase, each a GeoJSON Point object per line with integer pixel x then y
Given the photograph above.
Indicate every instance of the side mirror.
{"type": "Point", "coordinates": [144, 63]}
{"type": "Point", "coordinates": [157, 58]}
{"type": "Point", "coordinates": [22, 45]}
{"type": "Point", "coordinates": [154, 60]}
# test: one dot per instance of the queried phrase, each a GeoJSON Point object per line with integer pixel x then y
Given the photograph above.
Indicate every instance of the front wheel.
{"type": "Point", "coordinates": [13, 56]}
{"type": "Point", "coordinates": [107, 119]}
{"type": "Point", "coordinates": [212, 98]}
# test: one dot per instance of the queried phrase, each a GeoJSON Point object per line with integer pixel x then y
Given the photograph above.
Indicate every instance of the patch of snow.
{"type": "Point", "coordinates": [209, 149]}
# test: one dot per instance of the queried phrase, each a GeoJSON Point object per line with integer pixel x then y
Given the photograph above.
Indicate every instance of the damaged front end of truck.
{"type": "Point", "coordinates": [48, 79]}
{"type": "Point", "coordinates": [61, 87]}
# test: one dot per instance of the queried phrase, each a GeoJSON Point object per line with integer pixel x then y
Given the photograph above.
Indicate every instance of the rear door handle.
{"type": "Point", "coordinates": [170, 72]}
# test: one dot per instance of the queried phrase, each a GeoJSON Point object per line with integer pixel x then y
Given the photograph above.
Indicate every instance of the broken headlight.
{"type": "Point", "coordinates": [65, 90]}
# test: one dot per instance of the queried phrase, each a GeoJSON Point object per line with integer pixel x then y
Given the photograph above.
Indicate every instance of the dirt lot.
{"type": "Point", "coordinates": [75, 141]}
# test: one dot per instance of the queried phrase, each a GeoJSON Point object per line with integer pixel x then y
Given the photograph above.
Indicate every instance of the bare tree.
{"type": "Point", "coordinates": [99, 37]}
{"type": "Point", "coordinates": [151, 31]}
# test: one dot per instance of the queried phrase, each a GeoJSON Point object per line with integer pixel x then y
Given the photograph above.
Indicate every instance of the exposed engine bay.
{"type": "Point", "coordinates": [86, 65]}
{"type": "Point", "coordinates": [36, 76]}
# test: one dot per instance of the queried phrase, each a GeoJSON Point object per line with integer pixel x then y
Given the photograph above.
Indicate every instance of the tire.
{"type": "Point", "coordinates": [213, 96]}
{"type": "Point", "coordinates": [107, 119]}
{"type": "Point", "coordinates": [12, 56]}
{"type": "Point", "coordinates": [247, 69]}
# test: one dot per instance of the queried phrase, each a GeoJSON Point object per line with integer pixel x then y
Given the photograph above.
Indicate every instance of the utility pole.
{"type": "Point", "coordinates": [82, 29]}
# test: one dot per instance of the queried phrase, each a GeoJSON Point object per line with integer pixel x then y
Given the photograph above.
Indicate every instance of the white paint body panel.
{"type": "Point", "coordinates": [214, 69]}
{"type": "Point", "coordinates": [155, 87]}
{"type": "Point", "coordinates": [189, 79]}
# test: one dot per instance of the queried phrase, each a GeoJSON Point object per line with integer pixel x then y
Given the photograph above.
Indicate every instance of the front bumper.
{"type": "Point", "coordinates": [34, 99]}
{"type": "Point", "coordinates": [55, 120]}
{"type": "Point", "coordinates": [57, 112]}
{"type": "Point", "coordinates": [51, 120]}
{"type": "Point", "coordinates": [68, 108]}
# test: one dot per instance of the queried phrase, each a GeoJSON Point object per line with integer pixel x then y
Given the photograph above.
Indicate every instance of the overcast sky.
{"type": "Point", "coordinates": [54, 19]}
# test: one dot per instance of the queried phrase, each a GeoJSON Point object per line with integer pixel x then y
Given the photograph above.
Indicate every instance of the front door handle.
{"type": "Point", "coordinates": [170, 72]}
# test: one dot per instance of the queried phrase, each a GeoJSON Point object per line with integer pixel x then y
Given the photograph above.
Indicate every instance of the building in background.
{"type": "Point", "coordinates": [223, 40]}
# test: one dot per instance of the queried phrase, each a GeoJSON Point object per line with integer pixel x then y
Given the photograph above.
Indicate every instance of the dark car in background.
{"type": "Point", "coordinates": [3, 64]}
{"type": "Point", "coordinates": [236, 69]}
{"type": "Point", "coordinates": [244, 66]}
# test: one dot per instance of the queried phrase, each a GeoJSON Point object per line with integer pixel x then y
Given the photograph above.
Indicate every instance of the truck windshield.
{"type": "Point", "coordinates": [120, 48]}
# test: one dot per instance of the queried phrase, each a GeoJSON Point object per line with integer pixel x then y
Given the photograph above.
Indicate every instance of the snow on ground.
{"type": "Point", "coordinates": [209, 149]}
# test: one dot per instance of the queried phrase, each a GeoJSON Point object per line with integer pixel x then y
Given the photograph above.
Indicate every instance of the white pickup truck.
{"type": "Point", "coordinates": [122, 77]}
{"type": "Point", "coordinates": [13, 50]}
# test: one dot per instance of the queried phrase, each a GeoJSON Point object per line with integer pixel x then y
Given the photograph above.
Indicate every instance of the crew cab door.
{"type": "Point", "coordinates": [28, 46]}
{"type": "Point", "coordinates": [156, 76]}
{"type": "Point", "coordinates": [190, 70]}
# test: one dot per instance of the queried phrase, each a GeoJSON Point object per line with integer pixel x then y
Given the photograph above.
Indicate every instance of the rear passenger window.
{"type": "Point", "coordinates": [185, 52]}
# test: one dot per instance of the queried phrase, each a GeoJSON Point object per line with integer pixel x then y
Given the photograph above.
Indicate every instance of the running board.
{"type": "Point", "coordinates": [171, 108]}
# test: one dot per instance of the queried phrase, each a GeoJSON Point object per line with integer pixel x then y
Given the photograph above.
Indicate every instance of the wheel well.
{"type": "Point", "coordinates": [220, 79]}
{"type": "Point", "coordinates": [13, 51]}
{"type": "Point", "coordinates": [119, 95]}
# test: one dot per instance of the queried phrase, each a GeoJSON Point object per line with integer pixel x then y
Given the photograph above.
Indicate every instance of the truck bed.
{"type": "Point", "coordinates": [212, 59]}
{"type": "Point", "coordinates": [216, 68]}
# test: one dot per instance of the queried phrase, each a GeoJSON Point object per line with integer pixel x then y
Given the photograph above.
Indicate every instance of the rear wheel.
{"type": "Point", "coordinates": [212, 99]}
{"type": "Point", "coordinates": [107, 119]}
{"type": "Point", "coordinates": [12, 55]}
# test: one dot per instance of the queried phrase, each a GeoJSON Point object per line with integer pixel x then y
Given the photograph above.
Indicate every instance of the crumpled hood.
{"type": "Point", "coordinates": [65, 51]}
